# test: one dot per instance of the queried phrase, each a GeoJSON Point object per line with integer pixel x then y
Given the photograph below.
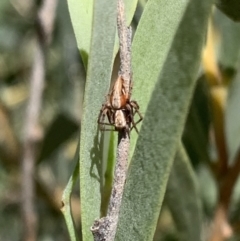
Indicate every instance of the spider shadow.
{"type": "Point", "coordinates": [96, 155]}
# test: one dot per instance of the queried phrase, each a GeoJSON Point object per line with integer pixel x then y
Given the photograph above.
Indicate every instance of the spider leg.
{"type": "Point", "coordinates": [140, 117]}
{"type": "Point", "coordinates": [102, 116]}
{"type": "Point", "coordinates": [110, 115]}
{"type": "Point", "coordinates": [131, 115]}
{"type": "Point", "coordinates": [135, 109]}
{"type": "Point", "coordinates": [135, 106]}
{"type": "Point", "coordinates": [109, 129]}
{"type": "Point", "coordinates": [105, 111]}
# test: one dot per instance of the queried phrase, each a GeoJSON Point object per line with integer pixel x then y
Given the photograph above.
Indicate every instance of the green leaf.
{"type": "Point", "coordinates": [108, 170]}
{"type": "Point", "coordinates": [98, 78]}
{"type": "Point", "coordinates": [60, 130]}
{"type": "Point", "coordinates": [66, 198]}
{"type": "Point", "coordinates": [196, 131]}
{"type": "Point", "coordinates": [230, 7]}
{"type": "Point", "coordinates": [130, 7]}
{"type": "Point", "coordinates": [229, 46]}
{"type": "Point", "coordinates": [169, 39]}
{"type": "Point", "coordinates": [232, 119]}
{"type": "Point", "coordinates": [149, 54]}
{"type": "Point", "coordinates": [81, 12]}
{"type": "Point", "coordinates": [183, 198]}
{"type": "Point", "coordinates": [94, 26]}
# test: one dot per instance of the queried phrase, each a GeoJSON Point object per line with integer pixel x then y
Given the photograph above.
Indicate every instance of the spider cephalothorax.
{"type": "Point", "coordinates": [119, 109]}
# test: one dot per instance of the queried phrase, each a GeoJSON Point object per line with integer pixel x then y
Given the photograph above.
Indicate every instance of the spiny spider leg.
{"type": "Point", "coordinates": [131, 118]}
{"type": "Point", "coordinates": [109, 130]}
{"type": "Point", "coordinates": [140, 116]}
{"type": "Point", "coordinates": [105, 111]}
{"type": "Point", "coordinates": [134, 126]}
{"type": "Point", "coordinates": [135, 106]}
{"type": "Point", "coordinates": [102, 115]}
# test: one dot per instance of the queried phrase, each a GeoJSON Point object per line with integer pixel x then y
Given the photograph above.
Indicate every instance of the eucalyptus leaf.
{"type": "Point", "coordinates": [81, 12]}
{"type": "Point", "coordinates": [232, 119]}
{"type": "Point", "coordinates": [108, 172]}
{"type": "Point", "coordinates": [98, 78]}
{"type": "Point", "coordinates": [94, 25]}
{"type": "Point", "coordinates": [183, 198]}
{"type": "Point", "coordinates": [66, 198]}
{"type": "Point", "coordinates": [60, 130]}
{"type": "Point", "coordinates": [196, 131]}
{"type": "Point", "coordinates": [151, 44]}
{"type": "Point", "coordinates": [66, 210]}
{"type": "Point", "coordinates": [173, 49]}
{"type": "Point", "coordinates": [229, 46]}
{"type": "Point", "coordinates": [230, 7]}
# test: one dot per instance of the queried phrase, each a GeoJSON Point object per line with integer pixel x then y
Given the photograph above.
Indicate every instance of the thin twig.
{"type": "Point", "coordinates": [218, 101]}
{"type": "Point", "coordinates": [29, 147]}
{"type": "Point", "coordinates": [119, 178]}
{"type": "Point", "coordinates": [106, 227]}
{"type": "Point", "coordinates": [221, 226]}
{"type": "Point", "coordinates": [226, 182]}
{"type": "Point", "coordinates": [32, 134]}
{"type": "Point", "coordinates": [222, 229]}
{"type": "Point", "coordinates": [125, 40]}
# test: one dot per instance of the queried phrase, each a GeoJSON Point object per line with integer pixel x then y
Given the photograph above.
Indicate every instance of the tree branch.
{"type": "Point", "coordinates": [125, 40]}
{"type": "Point", "coordinates": [106, 227]}
{"type": "Point", "coordinates": [32, 135]}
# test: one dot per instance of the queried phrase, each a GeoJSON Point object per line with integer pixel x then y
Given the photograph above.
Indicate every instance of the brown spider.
{"type": "Point", "coordinates": [119, 109]}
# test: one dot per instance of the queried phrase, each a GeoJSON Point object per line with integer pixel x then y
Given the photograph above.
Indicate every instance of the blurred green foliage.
{"type": "Point", "coordinates": [198, 179]}
{"type": "Point", "coordinates": [64, 84]}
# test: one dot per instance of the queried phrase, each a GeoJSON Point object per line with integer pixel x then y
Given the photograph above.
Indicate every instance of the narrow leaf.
{"type": "Point", "coordinates": [108, 171]}
{"type": "Point", "coordinates": [183, 198]}
{"type": "Point", "coordinates": [149, 54]}
{"type": "Point", "coordinates": [60, 130]}
{"type": "Point", "coordinates": [196, 131]}
{"type": "Point", "coordinates": [185, 25]}
{"type": "Point", "coordinates": [81, 12]}
{"type": "Point", "coordinates": [66, 200]}
{"type": "Point", "coordinates": [98, 78]}
{"type": "Point", "coordinates": [229, 46]}
{"type": "Point", "coordinates": [94, 27]}
{"type": "Point", "coordinates": [232, 119]}
{"type": "Point", "coordinates": [230, 7]}
{"type": "Point", "coordinates": [66, 197]}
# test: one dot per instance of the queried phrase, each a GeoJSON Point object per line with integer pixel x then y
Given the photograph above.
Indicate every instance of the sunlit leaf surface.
{"type": "Point", "coordinates": [162, 45]}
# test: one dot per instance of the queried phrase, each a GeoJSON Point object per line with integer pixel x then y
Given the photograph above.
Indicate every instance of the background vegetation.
{"type": "Point", "coordinates": [187, 83]}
